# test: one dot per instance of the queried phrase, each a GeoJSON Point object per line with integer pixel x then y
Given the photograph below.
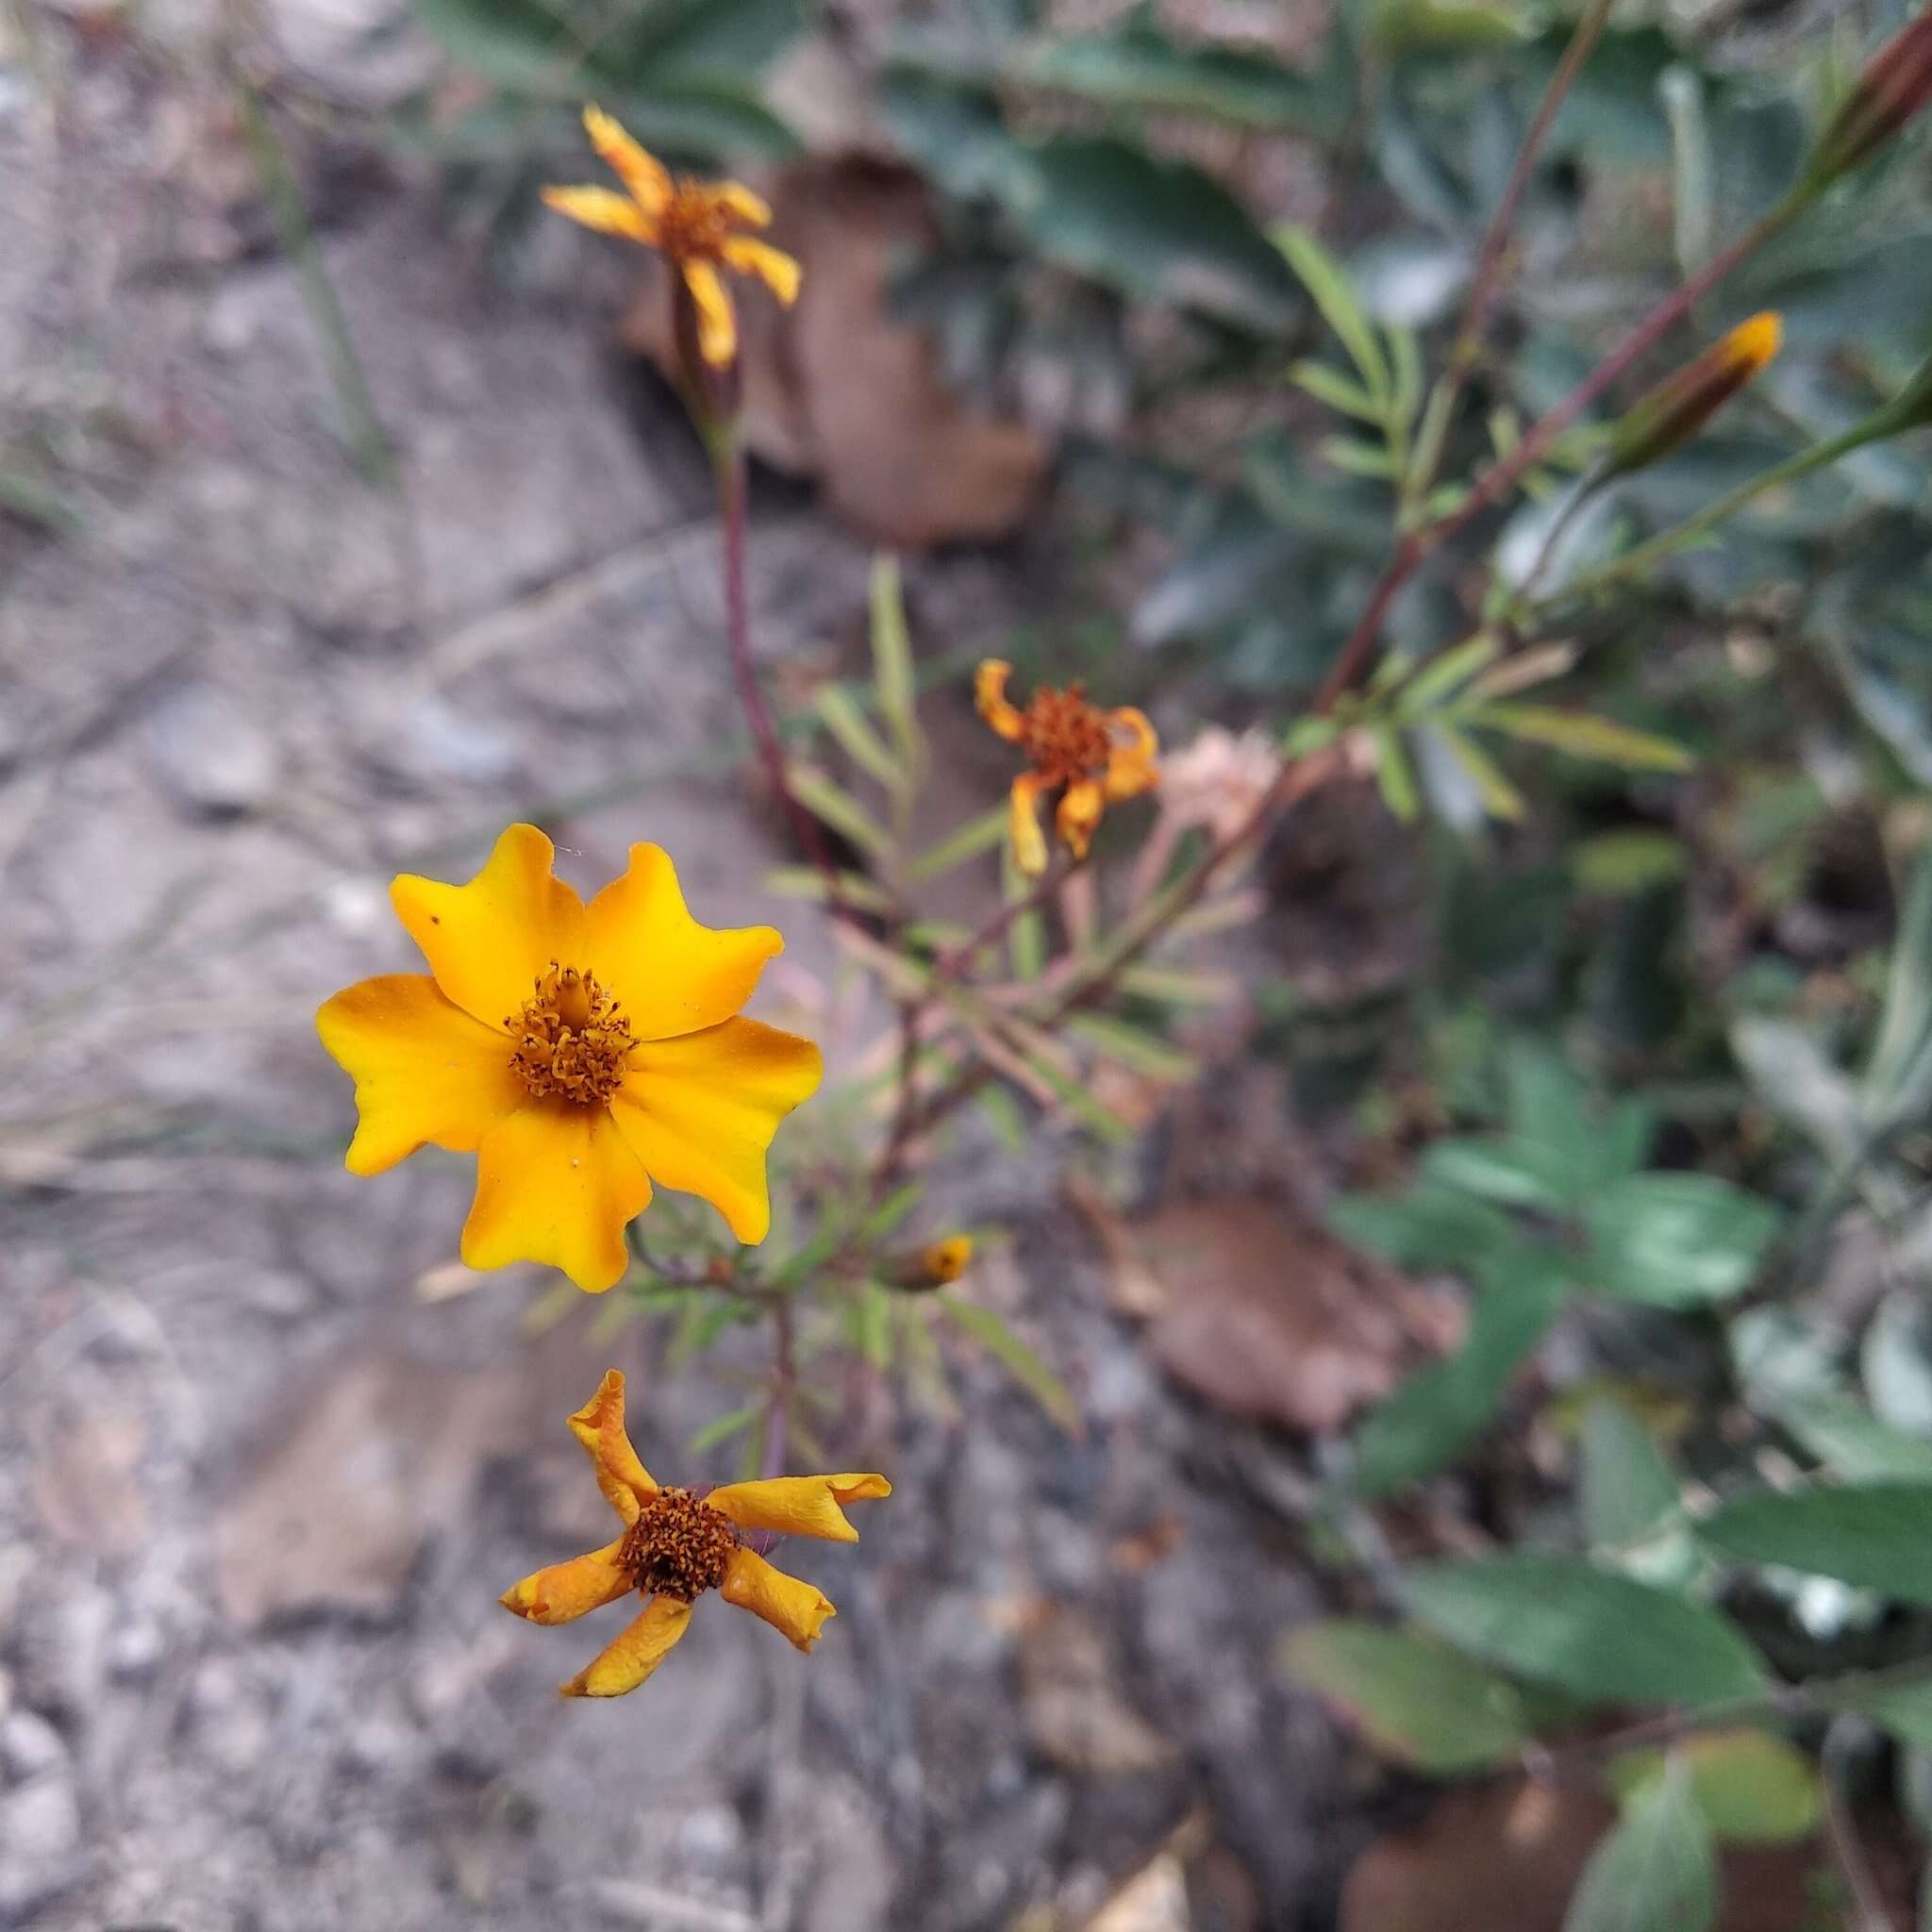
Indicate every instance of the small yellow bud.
{"type": "Point", "coordinates": [1682, 403]}
{"type": "Point", "coordinates": [936, 1264]}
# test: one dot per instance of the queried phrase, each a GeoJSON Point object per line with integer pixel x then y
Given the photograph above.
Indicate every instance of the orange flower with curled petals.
{"type": "Point", "coordinates": [580, 1052]}
{"type": "Point", "coordinates": [1094, 758]}
{"type": "Point", "coordinates": [696, 225]}
{"type": "Point", "coordinates": [678, 1543]}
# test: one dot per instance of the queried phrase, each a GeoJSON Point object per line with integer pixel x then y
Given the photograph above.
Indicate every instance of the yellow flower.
{"type": "Point", "coordinates": [677, 1544]}
{"type": "Point", "coordinates": [695, 225]}
{"type": "Point", "coordinates": [1099, 756]}
{"type": "Point", "coordinates": [580, 1052]}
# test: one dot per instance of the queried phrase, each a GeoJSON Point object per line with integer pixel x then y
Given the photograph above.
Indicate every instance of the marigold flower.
{"type": "Point", "coordinates": [1098, 757]}
{"type": "Point", "coordinates": [580, 1052]}
{"type": "Point", "coordinates": [1681, 404]}
{"type": "Point", "coordinates": [695, 225]}
{"type": "Point", "coordinates": [936, 1265]}
{"type": "Point", "coordinates": [678, 1543]}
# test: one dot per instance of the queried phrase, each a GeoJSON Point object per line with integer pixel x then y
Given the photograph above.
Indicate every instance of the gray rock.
{"type": "Point", "coordinates": [40, 1846]}
{"type": "Point", "coordinates": [65, 1651]}
{"type": "Point", "coordinates": [208, 752]}
{"type": "Point", "coordinates": [30, 1745]}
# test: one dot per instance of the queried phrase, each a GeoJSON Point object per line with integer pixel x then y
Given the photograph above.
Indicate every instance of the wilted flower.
{"type": "Point", "coordinates": [1681, 404]}
{"type": "Point", "coordinates": [580, 1052]}
{"type": "Point", "coordinates": [1895, 85]}
{"type": "Point", "coordinates": [1098, 757]}
{"type": "Point", "coordinates": [678, 1543]}
{"type": "Point", "coordinates": [695, 224]}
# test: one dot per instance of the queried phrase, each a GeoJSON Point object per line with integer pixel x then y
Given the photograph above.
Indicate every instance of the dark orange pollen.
{"type": "Point", "coordinates": [571, 1040]}
{"type": "Point", "coordinates": [695, 224]}
{"type": "Point", "coordinates": [1064, 736]}
{"type": "Point", "coordinates": [678, 1546]}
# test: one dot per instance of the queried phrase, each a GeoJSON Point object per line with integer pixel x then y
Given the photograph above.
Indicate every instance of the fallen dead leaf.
{"type": "Point", "coordinates": [1507, 1857]}
{"type": "Point", "coordinates": [85, 1479]}
{"type": "Point", "coordinates": [1077, 1715]}
{"type": "Point", "coordinates": [1271, 1318]}
{"type": "Point", "coordinates": [1155, 1899]}
{"type": "Point", "coordinates": [840, 390]}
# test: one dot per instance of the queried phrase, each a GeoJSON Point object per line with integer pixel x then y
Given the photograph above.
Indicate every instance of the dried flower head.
{"type": "Point", "coordinates": [696, 225]}
{"type": "Point", "coordinates": [676, 1544]}
{"type": "Point", "coordinates": [1094, 759]}
{"type": "Point", "coordinates": [1217, 779]}
{"type": "Point", "coordinates": [1681, 404]}
{"type": "Point", "coordinates": [580, 1052]}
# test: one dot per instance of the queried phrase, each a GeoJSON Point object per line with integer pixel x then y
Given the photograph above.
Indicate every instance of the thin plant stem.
{"type": "Point", "coordinates": [1486, 282]}
{"type": "Point", "coordinates": [728, 468]}
{"type": "Point", "coordinates": [784, 1380]}
{"type": "Point", "coordinates": [1633, 562]}
{"type": "Point", "coordinates": [1869, 1911]}
{"type": "Point", "coordinates": [1359, 649]}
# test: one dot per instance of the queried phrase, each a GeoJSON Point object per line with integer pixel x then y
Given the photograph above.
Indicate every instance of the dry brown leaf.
{"type": "Point", "coordinates": [1271, 1318]}
{"type": "Point", "coordinates": [1507, 1857]}
{"type": "Point", "coordinates": [1078, 1716]}
{"type": "Point", "coordinates": [85, 1479]}
{"type": "Point", "coordinates": [1155, 1899]}
{"type": "Point", "coordinates": [840, 390]}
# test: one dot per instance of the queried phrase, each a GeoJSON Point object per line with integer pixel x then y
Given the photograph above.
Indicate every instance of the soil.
{"type": "Point", "coordinates": [258, 1494]}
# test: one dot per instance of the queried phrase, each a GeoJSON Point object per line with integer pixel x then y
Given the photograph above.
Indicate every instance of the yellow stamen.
{"type": "Point", "coordinates": [678, 1547]}
{"type": "Point", "coordinates": [571, 1041]}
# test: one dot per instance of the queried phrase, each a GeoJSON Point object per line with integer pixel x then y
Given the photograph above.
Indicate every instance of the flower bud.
{"type": "Point", "coordinates": [936, 1264]}
{"type": "Point", "coordinates": [1682, 403]}
{"type": "Point", "coordinates": [1897, 83]}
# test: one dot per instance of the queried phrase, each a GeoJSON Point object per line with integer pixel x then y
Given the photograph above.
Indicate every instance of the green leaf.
{"type": "Point", "coordinates": [841, 716]}
{"type": "Point", "coordinates": [1798, 1080]}
{"type": "Point", "coordinates": [1518, 1173]}
{"type": "Point", "coordinates": [1875, 1535]}
{"type": "Point", "coordinates": [1623, 863]}
{"type": "Point", "coordinates": [1392, 773]}
{"type": "Point", "coordinates": [1026, 938]}
{"type": "Point", "coordinates": [1445, 672]}
{"type": "Point", "coordinates": [1900, 1073]}
{"type": "Point", "coordinates": [1851, 1442]}
{"type": "Point", "coordinates": [1410, 1696]}
{"type": "Point", "coordinates": [1355, 458]}
{"type": "Point", "coordinates": [1015, 1357]}
{"type": "Point", "coordinates": [1439, 1409]}
{"type": "Point", "coordinates": [1133, 1047]}
{"type": "Point", "coordinates": [516, 42]}
{"type": "Point", "coordinates": [1656, 1870]}
{"type": "Point", "coordinates": [892, 665]}
{"type": "Point", "coordinates": [713, 40]}
{"type": "Point", "coordinates": [1430, 1226]}
{"type": "Point", "coordinates": [1500, 798]}
{"type": "Point", "coordinates": [1138, 67]}
{"type": "Point", "coordinates": [1583, 736]}
{"type": "Point", "coordinates": [1902, 1707]}
{"type": "Point", "coordinates": [1328, 282]}
{"type": "Point", "coordinates": [722, 1428]}
{"type": "Point", "coordinates": [838, 809]}
{"type": "Point", "coordinates": [808, 882]}
{"type": "Point", "coordinates": [1752, 1788]}
{"type": "Point", "coordinates": [975, 837]}
{"type": "Point", "coordinates": [1625, 1491]}
{"type": "Point", "coordinates": [1676, 1241]}
{"type": "Point", "coordinates": [1331, 387]}
{"type": "Point", "coordinates": [1587, 1630]}
{"type": "Point", "coordinates": [1158, 231]}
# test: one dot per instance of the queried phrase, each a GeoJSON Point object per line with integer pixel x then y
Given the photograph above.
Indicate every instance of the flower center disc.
{"type": "Point", "coordinates": [678, 1547]}
{"type": "Point", "coordinates": [571, 1041]}
{"type": "Point", "coordinates": [1066, 737]}
{"type": "Point", "coordinates": [692, 223]}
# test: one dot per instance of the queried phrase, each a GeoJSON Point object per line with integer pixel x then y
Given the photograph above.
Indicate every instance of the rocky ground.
{"type": "Point", "coordinates": [256, 1495]}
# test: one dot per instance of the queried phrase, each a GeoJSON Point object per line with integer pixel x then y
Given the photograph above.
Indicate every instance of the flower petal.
{"type": "Point", "coordinates": [700, 1112]}
{"type": "Point", "coordinates": [1082, 806]}
{"type": "Point", "coordinates": [772, 266]}
{"type": "Point", "coordinates": [673, 974]}
{"type": "Point", "coordinates": [556, 1182]}
{"type": "Point", "coordinates": [645, 174]}
{"type": "Point", "coordinates": [740, 200]}
{"type": "Point", "coordinates": [798, 1505]}
{"type": "Point", "coordinates": [603, 209]}
{"type": "Point", "coordinates": [634, 1655]}
{"type": "Point", "coordinates": [786, 1604]}
{"type": "Point", "coordinates": [424, 1069]}
{"type": "Point", "coordinates": [488, 940]}
{"type": "Point", "coordinates": [599, 1426]}
{"type": "Point", "coordinates": [1131, 767]}
{"type": "Point", "coordinates": [989, 695]}
{"type": "Point", "coordinates": [567, 1591]}
{"type": "Point", "coordinates": [1029, 845]}
{"type": "Point", "coordinates": [717, 324]}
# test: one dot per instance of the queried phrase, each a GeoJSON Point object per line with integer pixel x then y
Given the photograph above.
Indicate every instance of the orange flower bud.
{"type": "Point", "coordinates": [1895, 85]}
{"type": "Point", "coordinates": [1682, 403]}
{"type": "Point", "coordinates": [936, 1264]}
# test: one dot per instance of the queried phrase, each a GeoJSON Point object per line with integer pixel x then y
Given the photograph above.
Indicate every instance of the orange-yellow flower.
{"type": "Point", "coordinates": [580, 1052]}
{"type": "Point", "coordinates": [676, 1544]}
{"type": "Point", "coordinates": [695, 225]}
{"type": "Point", "coordinates": [1095, 758]}
{"type": "Point", "coordinates": [1672, 413]}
